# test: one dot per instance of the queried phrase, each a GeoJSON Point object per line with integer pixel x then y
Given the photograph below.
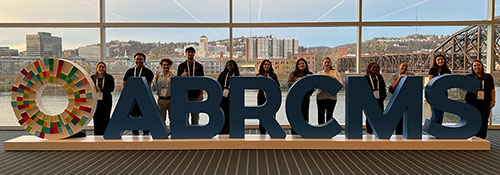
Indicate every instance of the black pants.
{"type": "Point", "coordinates": [484, 108]}
{"type": "Point", "coordinates": [328, 106]}
{"type": "Point", "coordinates": [224, 104]}
{"type": "Point", "coordinates": [101, 116]}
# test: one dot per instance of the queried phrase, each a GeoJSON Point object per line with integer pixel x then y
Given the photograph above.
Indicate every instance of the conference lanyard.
{"type": "Point", "coordinates": [373, 83]}
{"type": "Point", "coordinates": [135, 71]}
{"type": "Point", "coordinates": [97, 79]}
{"type": "Point", "coordinates": [189, 71]}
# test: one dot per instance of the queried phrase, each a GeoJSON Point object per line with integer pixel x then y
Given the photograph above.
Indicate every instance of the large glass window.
{"type": "Point", "coordinates": [167, 11]}
{"type": "Point", "coordinates": [36, 11]}
{"type": "Point", "coordinates": [21, 46]}
{"type": "Point", "coordinates": [258, 11]}
{"type": "Point", "coordinates": [424, 10]}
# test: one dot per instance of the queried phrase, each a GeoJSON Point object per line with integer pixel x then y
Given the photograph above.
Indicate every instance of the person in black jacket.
{"type": "Point", "coordinates": [265, 70]}
{"type": "Point", "coordinates": [301, 70]}
{"type": "Point", "coordinates": [377, 85]}
{"type": "Point", "coordinates": [105, 85]}
{"type": "Point", "coordinates": [484, 99]}
{"type": "Point", "coordinates": [230, 70]}
{"type": "Point", "coordinates": [139, 70]}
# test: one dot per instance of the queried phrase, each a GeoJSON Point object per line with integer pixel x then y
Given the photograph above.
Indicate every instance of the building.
{"type": "Point", "coordinates": [270, 48]}
{"type": "Point", "coordinates": [203, 47]}
{"type": "Point", "coordinates": [7, 52]}
{"type": "Point", "coordinates": [43, 44]}
{"type": "Point", "coordinates": [91, 52]}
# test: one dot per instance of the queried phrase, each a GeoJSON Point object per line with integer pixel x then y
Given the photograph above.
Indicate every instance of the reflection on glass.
{"type": "Point", "coordinates": [424, 10]}
{"type": "Point", "coordinates": [16, 11]}
{"type": "Point", "coordinates": [197, 11]}
{"type": "Point", "coordinates": [294, 11]}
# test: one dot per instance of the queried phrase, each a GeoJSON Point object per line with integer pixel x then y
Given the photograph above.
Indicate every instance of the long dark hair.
{"type": "Point", "coordinates": [444, 68]}
{"type": "Point", "coordinates": [261, 68]}
{"type": "Point", "coordinates": [370, 66]}
{"type": "Point", "coordinates": [482, 70]}
{"type": "Point", "coordinates": [297, 70]}
{"type": "Point", "coordinates": [236, 69]}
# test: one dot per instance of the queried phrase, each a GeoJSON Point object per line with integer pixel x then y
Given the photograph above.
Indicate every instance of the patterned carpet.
{"type": "Point", "coordinates": [251, 161]}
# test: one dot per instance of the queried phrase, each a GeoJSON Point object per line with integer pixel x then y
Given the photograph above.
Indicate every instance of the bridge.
{"type": "Point", "coordinates": [460, 50]}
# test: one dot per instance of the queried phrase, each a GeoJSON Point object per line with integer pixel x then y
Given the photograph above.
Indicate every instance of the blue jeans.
{"type": "Point", "coordinates": [437, 115]}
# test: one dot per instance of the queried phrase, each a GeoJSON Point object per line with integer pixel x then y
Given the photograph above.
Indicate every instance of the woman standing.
{"type": "Point", "coordinates": [484, 99]}
{"type": "Point", "coordinates": [324, 100]}
{"type": "Point", "coordinates": [265, 70]}
{"type": "Point", "coordinates": [377, 84]}
{"type": "Point", "coordinates": [230, 70]}
{"type": "Point", "coordinates": [439, 67]}
{"type": "Point", "coordinates": [105, 84]}
{"type": "Point", "coordinates": [301, 70]}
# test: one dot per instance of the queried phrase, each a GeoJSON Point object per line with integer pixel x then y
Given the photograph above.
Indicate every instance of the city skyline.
{"type": "Point", "coordinates": [244, 11]}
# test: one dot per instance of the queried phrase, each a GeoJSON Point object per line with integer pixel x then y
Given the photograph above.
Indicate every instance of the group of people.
{"type": "Point", "coordinates": [159, 82]}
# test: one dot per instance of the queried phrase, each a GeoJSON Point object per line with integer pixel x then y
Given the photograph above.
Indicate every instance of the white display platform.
{"type": "Point", "coordinates": [339, 142]}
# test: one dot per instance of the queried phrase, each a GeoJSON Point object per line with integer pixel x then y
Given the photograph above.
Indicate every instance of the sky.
{"type": "Point", "coordinates": [246, 11]}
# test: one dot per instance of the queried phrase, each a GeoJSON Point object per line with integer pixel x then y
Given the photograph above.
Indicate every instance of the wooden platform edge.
{"type": "Point", "coordinates": [97, 143]}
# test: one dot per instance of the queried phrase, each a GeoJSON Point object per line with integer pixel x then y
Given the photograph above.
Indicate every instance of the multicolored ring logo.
{"type": "Point", "coordinates": [27, 90]}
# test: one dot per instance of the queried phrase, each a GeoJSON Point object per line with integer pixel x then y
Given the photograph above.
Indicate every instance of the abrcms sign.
{"type": "Point", "coordinates": [406, 103]}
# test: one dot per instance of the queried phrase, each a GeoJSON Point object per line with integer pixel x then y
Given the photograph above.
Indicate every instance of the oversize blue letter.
{"type": "Point", "coordinates": [181, 107]}
{"type": "Point", "coordinates": [406, 102]}
{"type": "Point", "coordinates": [136, 91]}
{"type": "Point", "coordinates": [293, 110]}
{"type": "Point", "coordinates": [265, 113]}
{"type": "Point", "coordinates": [470, 118]}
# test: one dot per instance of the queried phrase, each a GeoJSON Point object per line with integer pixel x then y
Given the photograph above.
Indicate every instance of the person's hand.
{"type": "Point", "coordinates": [492, 104]}
{"type": "Point", "coordinates": [186, 73]}
{"type": "Point", "coordinates": [157, 75]}
{"type": "Point", "coordinates": [97, 89]}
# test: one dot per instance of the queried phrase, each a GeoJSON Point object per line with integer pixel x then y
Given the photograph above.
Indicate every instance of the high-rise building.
{"type": "Point", "coordinates": [270, 48]}
{"type": "Point", "coordinates": [6, 51]}
{"type": "Point", "coordinates": [43, 44]}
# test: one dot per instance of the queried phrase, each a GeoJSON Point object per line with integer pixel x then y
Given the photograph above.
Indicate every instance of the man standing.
{"type": "Point", "coordinates": [192, 68]}
{"type": "Point", "coordinates": [161, 84]}
{"type": "Point", "coordinates": [139, 71]}
{"type": "Point", "coordinates": [395, 79]}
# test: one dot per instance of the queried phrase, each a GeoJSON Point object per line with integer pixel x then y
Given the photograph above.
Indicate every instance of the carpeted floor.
{"type": "Point", "coordinates": [251, 161]}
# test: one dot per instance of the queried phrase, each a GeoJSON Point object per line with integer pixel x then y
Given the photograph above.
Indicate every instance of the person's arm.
{"type": "Point", "coordinates": [491, 84]}
{"type": "Point", "coordinates": [154, 84]}
{"type": "Point", "coordinates": [339, 78]}
{"type": "Point", "coordinates": [291, 79]}
{"type": "Point", "coordinates": [395, 84]}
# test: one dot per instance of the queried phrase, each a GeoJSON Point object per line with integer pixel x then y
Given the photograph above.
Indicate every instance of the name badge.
{"type": "Point", "coordinates": [376, 93]}
{"type": "Point", "coordinates": [225, 93]}
{"type": "Point", "coordinates": [99, 95]}
{"type": "Point", "coordinates": [163, 92]}
{"type": "Point", "coordinates": [480, 95]}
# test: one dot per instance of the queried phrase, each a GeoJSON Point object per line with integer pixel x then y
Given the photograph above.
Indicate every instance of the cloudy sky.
{"type": "Point", "coordinates": [253, 11]}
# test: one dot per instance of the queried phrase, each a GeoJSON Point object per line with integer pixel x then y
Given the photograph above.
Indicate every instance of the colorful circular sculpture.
{"type": "Point", "coordinates": [77, 84]}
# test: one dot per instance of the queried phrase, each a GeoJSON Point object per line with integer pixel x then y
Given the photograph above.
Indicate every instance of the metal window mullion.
{"type": "Point", "coordinates": [230, 29]}
{"type": "Point", "coordinates": [102, 29]}
{"type": "Point", "coordinates": [360, 35]}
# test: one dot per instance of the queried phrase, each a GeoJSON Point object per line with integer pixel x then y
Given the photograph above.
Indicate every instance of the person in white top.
{"type": "Point", "coordinates": [326, 102]}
